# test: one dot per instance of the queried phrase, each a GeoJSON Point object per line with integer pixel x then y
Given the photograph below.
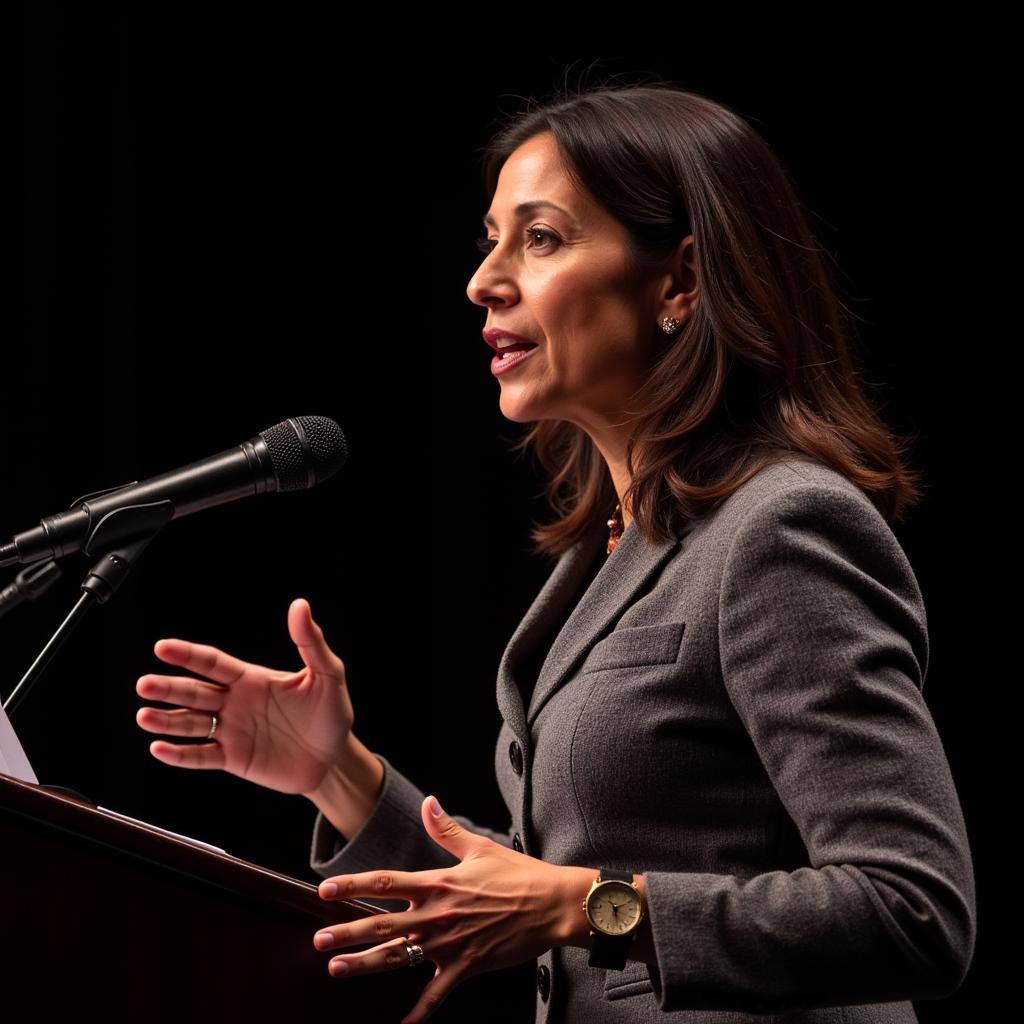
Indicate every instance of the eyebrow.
{"type": "Point", "coordinates": [528, 207]}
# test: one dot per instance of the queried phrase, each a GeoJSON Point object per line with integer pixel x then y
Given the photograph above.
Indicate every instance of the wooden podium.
{"type": "Point", "coordinates": [101, 914]}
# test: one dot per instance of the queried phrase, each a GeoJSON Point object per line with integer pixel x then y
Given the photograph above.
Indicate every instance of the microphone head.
{"type": "Point", "coordinates": [305, 451]}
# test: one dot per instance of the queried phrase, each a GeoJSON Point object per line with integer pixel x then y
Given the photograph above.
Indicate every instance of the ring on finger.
{"type": "Point", "coordinates": [415, 953]}
{"type": "Point", "coordinates": [213, 728]}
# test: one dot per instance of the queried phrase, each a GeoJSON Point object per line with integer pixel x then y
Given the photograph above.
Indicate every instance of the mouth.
{"type": "Point", "coordinates": [509, 358]}
{"type": "Point", "coordinates": [505, 341]}
{"type": "Point", "coordinates": [516, 346]}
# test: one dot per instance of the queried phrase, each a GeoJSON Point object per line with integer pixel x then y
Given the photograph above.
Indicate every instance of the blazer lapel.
{"type": "Point", "coordinates": [547, 607]}
{"type": "Point", "coordinates": [624, 573]}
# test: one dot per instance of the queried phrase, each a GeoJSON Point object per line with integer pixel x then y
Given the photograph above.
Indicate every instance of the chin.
{"type": "Point", "coordinates": [520, 404]}
{"type": "Point", "coordinates": [516, 412]}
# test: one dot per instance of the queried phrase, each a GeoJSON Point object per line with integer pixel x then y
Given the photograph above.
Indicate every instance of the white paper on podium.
{"type": "Point", "coordinates": [13, 760]}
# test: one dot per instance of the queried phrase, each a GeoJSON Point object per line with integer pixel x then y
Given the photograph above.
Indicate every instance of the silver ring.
{"type": "Point", "coordinates": [213, 728]}
{"type": "Point", "coordinates": [415, 954]}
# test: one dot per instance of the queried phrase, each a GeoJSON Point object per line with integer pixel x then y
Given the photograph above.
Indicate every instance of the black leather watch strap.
{"type": "Point", "coordinates": [610, 951]}
{"type": "Point", "coordinates": [609, 874]}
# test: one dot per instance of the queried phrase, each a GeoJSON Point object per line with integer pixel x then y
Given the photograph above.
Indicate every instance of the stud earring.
{"type": "Point", "coordinates": [669, 324]}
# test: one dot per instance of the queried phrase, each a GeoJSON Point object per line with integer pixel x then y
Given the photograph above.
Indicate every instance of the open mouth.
{"type": "Point", "coordinates": [519, 346]}
{"type": "Point", "coordinates": [511, 357]}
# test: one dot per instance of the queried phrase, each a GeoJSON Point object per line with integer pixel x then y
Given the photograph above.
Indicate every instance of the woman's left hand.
{"type": "Point", "coordinates": [495, 909]}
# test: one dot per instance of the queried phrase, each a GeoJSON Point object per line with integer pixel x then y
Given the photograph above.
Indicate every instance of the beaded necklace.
{"type": "Point", "coordinates": [614, 528]}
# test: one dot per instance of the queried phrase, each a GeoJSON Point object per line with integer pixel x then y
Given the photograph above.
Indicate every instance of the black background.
{"type": "Point", "coordinates": [217, 222]}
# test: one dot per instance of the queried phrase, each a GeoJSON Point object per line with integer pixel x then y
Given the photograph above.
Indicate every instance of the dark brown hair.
{"type": "Point", "coordinates": [763, 369]}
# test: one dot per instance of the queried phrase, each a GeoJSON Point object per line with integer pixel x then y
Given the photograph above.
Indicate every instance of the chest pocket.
{"type": "Point", "coordinates": [634, 646]}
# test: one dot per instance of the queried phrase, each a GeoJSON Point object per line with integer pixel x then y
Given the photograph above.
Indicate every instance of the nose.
{"type": "Point", "coordinates": [488, 287]}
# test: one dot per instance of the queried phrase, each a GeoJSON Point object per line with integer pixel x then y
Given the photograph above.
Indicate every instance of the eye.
{"type": "Point", "coordinates": [486, 245]}
{"type": "Point", "coordinates": [541, 231]}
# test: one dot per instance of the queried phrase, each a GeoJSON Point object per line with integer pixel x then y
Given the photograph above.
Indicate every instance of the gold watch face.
{"type": "Point", "coordinates": [613, 907]}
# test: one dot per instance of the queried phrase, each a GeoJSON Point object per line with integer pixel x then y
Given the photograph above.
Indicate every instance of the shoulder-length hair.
{"type": "Point", "coordinates": [764, 367]}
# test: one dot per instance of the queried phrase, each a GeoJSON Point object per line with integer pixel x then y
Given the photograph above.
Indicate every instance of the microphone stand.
{"type": "Point", "coordinates": [144, 522]}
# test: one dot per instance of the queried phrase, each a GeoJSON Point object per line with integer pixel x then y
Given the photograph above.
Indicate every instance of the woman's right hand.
{"type": "Point", "coordinates": [281, 730]}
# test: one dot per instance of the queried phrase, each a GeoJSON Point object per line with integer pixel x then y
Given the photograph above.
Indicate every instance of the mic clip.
{"type": "Point", "coordinates": [98, 494]}
{"type": "Point", "coordinates": [127, 523]}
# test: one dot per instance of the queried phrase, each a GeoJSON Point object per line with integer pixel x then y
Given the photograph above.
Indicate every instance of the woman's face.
{"type": "Point", "coordinates": [560, 278]}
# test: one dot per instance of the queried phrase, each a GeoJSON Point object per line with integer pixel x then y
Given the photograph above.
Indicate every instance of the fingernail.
{"type": "Point", "coordinates": [323, 939]}
{"type": "Point", "coordinates": [328, 889]}
{"type": "Point", "coordinates": [435, 808]}
{"type": "Point", "coordinates": [339, 967]}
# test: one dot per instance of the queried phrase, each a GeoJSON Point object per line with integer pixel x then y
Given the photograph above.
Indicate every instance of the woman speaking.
{"type": "Point", "coordinates": [727, 795]}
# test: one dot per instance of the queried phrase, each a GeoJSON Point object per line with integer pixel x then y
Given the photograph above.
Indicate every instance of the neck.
{"type": "Point", "coordinates": [611, 443]}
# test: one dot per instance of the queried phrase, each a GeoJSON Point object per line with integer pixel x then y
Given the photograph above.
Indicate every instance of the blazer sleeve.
{"type": "Point", "coordinates": [824, 649]}
{"type": "Point", "coordinates": [392, 836]}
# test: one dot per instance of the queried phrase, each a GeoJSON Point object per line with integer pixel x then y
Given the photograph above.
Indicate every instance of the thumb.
{"type": "Point", "coordinates": [308, 637]}
{"type": "Point", "coordinates": [446, 831]}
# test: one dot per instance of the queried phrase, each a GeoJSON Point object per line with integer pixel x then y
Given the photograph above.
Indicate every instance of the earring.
{"type": "Point", "coordinates": [669, 324]}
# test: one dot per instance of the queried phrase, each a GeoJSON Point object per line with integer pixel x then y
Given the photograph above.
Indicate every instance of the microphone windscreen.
{"type": "Point", "coordinates": [305, 450]}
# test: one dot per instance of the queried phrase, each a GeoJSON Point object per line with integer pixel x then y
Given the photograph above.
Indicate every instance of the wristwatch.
{"type": "Point", "coordinates": [614, 908]}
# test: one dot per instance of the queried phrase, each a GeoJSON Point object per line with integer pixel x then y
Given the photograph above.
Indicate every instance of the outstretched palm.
{"type": "Point", "coordinates": [281, 730]}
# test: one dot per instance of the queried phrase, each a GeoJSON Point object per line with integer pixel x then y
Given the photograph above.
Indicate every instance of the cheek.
{"type": "Point", "coordinates": [591, 327]}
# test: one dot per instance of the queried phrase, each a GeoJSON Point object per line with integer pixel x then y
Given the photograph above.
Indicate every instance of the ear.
{"type": "Point", "coordinates": [678, 296]}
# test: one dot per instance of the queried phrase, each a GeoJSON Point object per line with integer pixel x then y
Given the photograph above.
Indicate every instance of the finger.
{"type": "Point", "coordinates": [202, 658]}
{"type": "Point", "coordinates": [434, 994]}
{"type": "Point", "coordinates": [174, 723]}
{"type": "Point", "coordinates": [195, 755]}
{"type": "Point", "coordinates": [411, 885]}
{"type": "Point", "coordinates": [370, 930]}
{"type": "Point", "coordinates": [308, 637]}
{"type": "Point", "coordinates": [372, 961]}
{"type": "Point", "coordinates": [183, 690]}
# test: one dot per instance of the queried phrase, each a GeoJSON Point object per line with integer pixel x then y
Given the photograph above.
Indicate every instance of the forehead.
{"type": "Point", "coordinates": [533, 177]}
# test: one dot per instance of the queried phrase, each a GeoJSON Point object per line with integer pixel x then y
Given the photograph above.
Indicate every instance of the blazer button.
{"type": "Point", "coordinates": [517, 843]}
{"type": "Point", "coordinates": [515, 755]}
{"type": "Point", "coordinates": [543, 981]}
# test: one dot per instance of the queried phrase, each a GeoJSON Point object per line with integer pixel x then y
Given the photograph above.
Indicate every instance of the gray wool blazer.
{"type": "Point", "coordinates": [736, 714]}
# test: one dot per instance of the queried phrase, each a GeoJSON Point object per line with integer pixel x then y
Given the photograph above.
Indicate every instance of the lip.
{"type": "Point", "coordinates": [492, 334]}
{"type": "Point", "coordinates": [500, 365]}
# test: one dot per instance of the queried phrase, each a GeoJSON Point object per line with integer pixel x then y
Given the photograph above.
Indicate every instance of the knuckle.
{"type": "Point", "coordinates": [438, 890]}
{"type": "Point", "coordinates": [383, 881]}
{"type": "Point", "coordinates": [383, 926]}
{"type": "Point", "coordinates": [396, 957]}
{"type": "Point", "coordinates": [448, 916]}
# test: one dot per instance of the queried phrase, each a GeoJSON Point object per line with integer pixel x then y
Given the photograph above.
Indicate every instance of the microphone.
{"type": "Point", "coordinates": [294, 455]}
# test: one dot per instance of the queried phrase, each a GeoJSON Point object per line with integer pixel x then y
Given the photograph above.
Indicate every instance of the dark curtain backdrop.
{"type": "Point", "coordinates": [217, 222]}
